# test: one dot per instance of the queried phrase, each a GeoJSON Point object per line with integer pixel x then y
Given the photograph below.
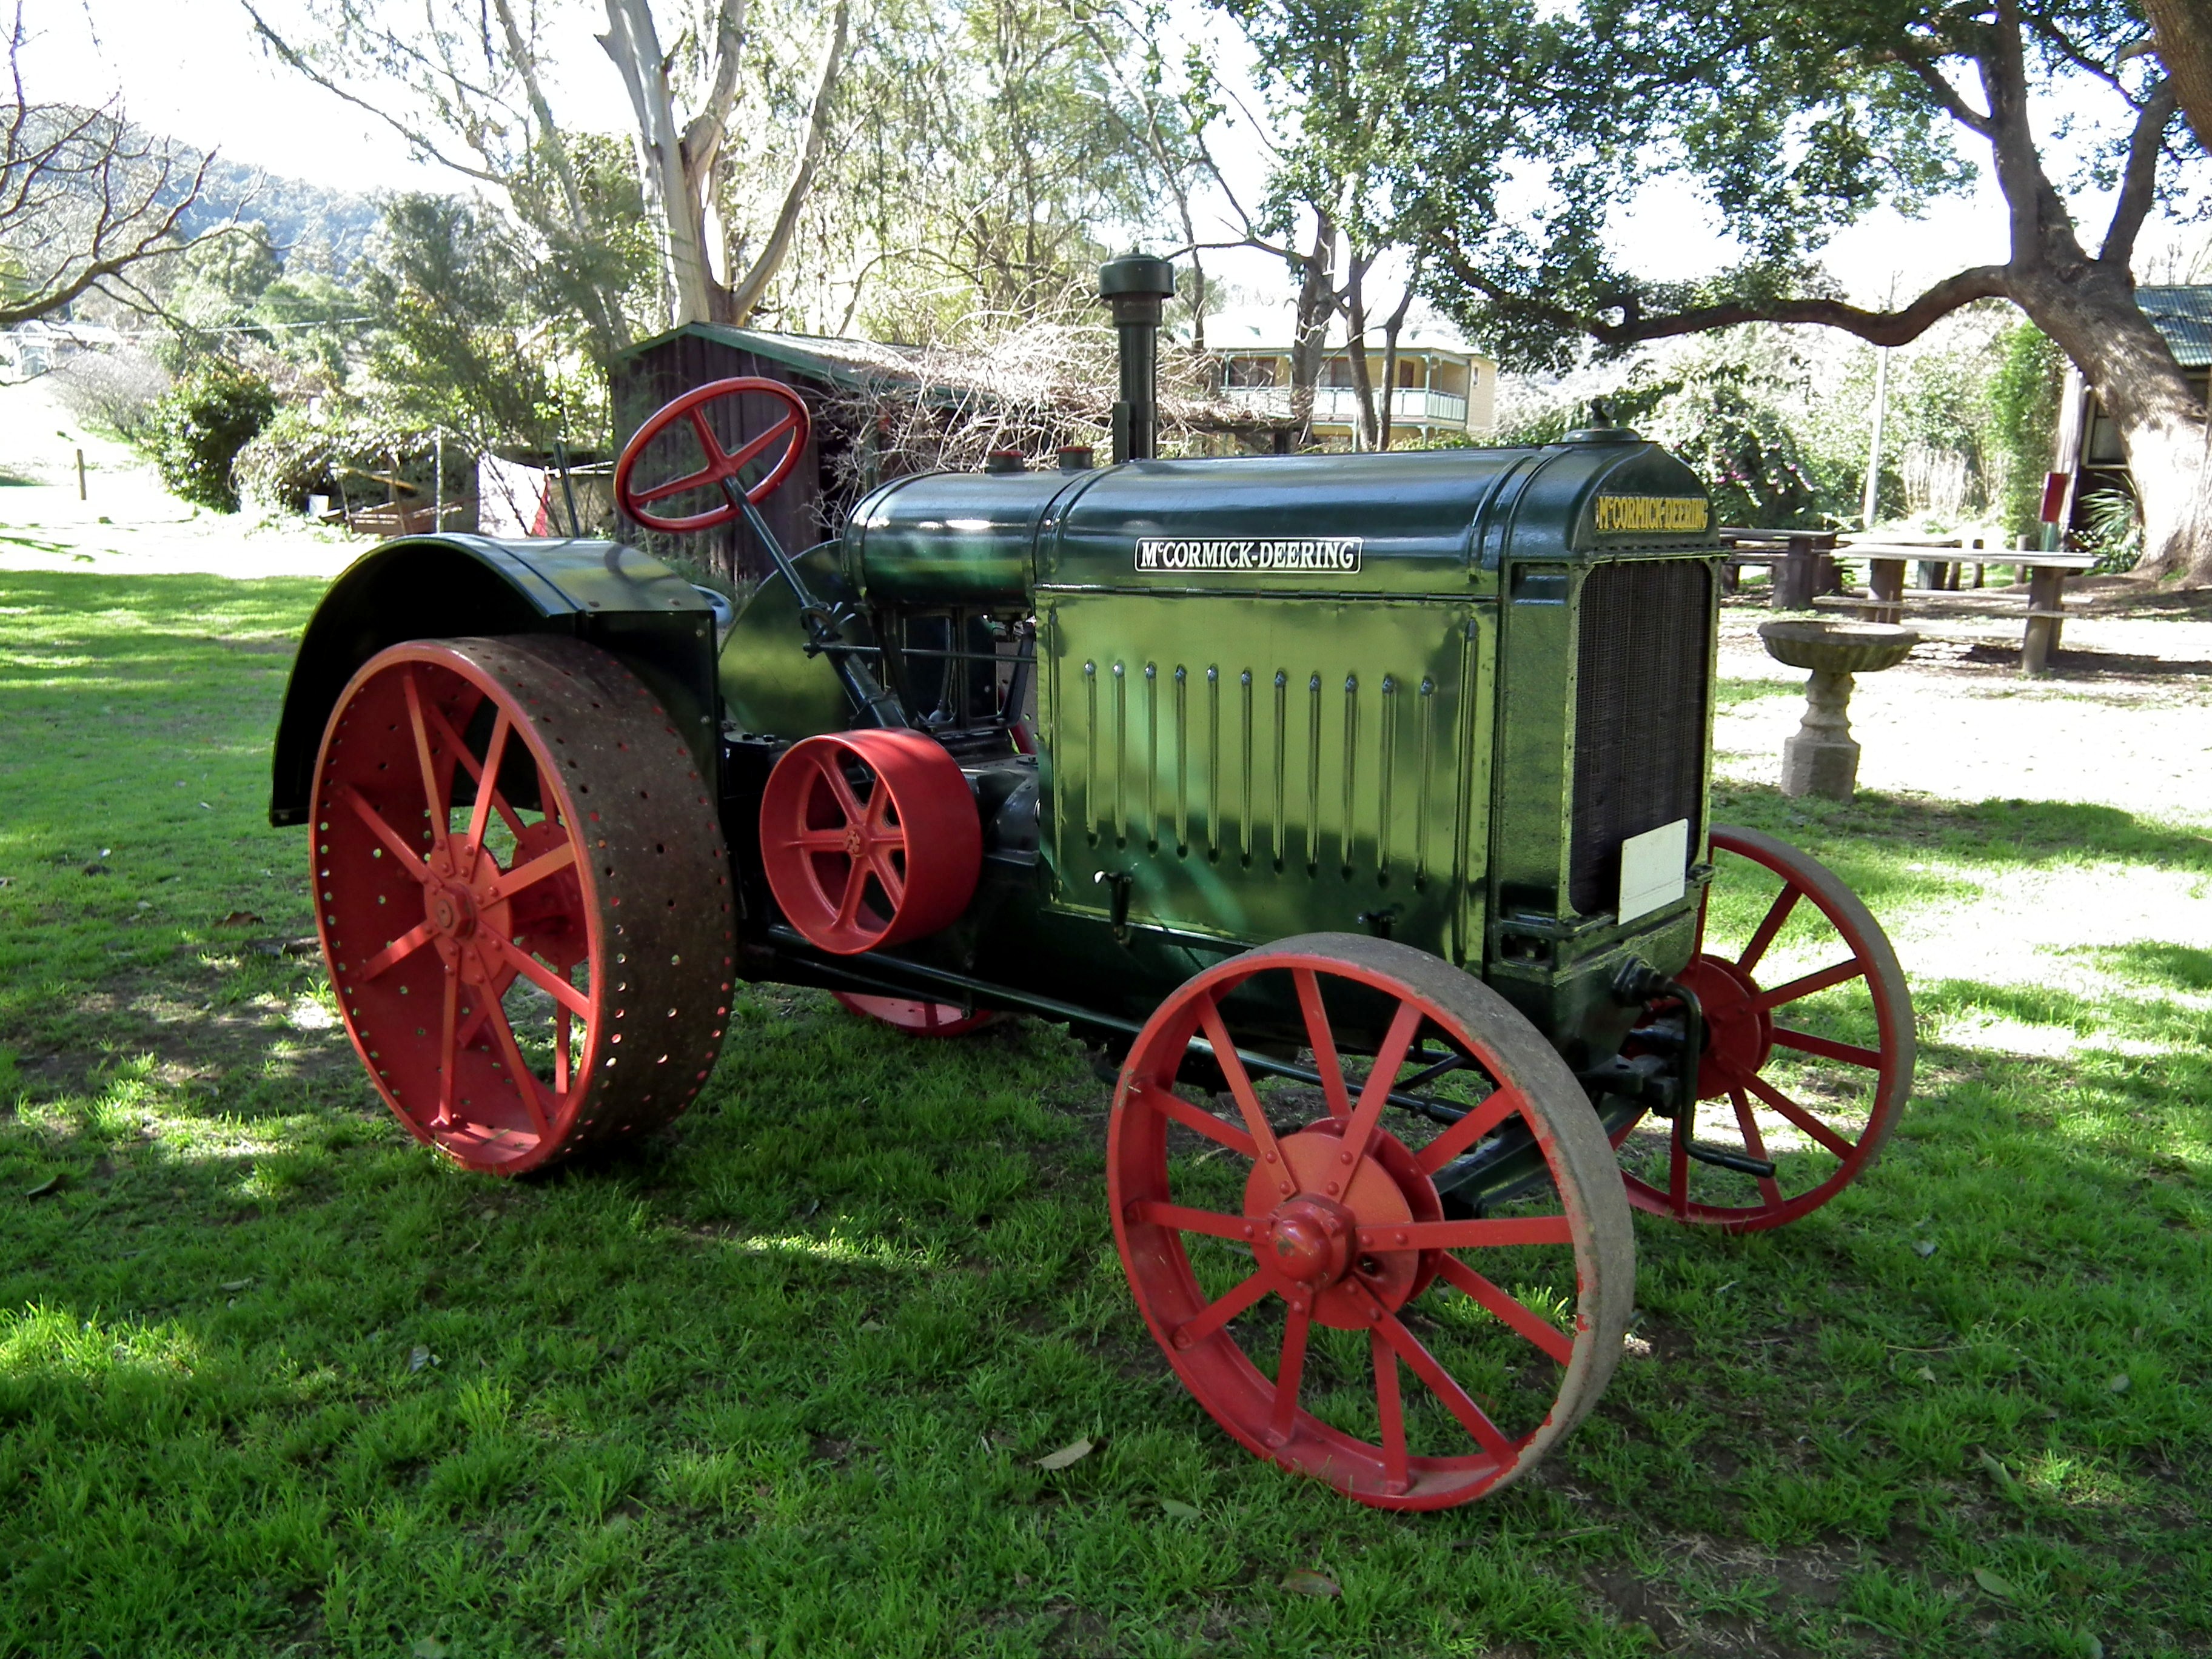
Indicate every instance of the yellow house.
{"type": "Point", "coordinates": [1441, 389]}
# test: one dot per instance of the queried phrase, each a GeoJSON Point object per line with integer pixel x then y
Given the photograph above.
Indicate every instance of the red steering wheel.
{"type": "Point", "coordinates": [720, 466]}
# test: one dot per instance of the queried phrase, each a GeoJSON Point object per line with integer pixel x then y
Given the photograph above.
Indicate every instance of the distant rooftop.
{"type": "Point", "coordinates": [2183, 316]}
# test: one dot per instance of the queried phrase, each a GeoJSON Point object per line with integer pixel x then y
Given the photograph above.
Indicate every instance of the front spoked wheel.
{"type": "Point", "coordinates": [1809, 1047]}
{"type": "Point", "coordinates": [1291, 1253]}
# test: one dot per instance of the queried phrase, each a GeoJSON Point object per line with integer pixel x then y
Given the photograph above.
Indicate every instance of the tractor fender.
{"type": "Point", "coordinates": [445, 587]}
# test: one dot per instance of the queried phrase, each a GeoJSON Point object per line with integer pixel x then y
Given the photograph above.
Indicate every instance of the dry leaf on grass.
{"type": "Point", "coordinates": [1996, 1583]}
{"type": "Point", "coordinates": [1074, 1452]}
{"type": "Point", "coordinates": [50, 1185]}
{"type": "Point", "coordinates": [1304, 1582]}
{"type": "Point", "coordinates": [1176, 1510]}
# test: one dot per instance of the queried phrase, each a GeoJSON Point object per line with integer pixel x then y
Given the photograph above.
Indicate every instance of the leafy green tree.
{"type": "Point", "coordinates": [1532, 127]}
{"type": "Point", "coordinates": [198, 428]}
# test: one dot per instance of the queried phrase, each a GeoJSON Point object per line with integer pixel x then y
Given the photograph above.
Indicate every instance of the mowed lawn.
{"type": "Point", "coordinates": [274, 1380]}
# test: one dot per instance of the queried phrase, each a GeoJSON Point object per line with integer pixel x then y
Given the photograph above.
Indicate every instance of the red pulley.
{"type": "Point", "coordinates": [870, 838]}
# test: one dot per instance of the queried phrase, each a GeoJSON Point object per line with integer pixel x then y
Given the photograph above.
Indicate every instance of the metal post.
{"type": "Point", "coordinates": [568, 489]}
{"type": "Point", "coordinates": [1868, 499]}
{"type": "Point", "coordinates": [79, 475]}
{"type": "Point", "coordinates": [437, 482]}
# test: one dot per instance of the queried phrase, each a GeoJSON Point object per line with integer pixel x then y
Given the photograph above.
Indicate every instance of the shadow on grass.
{"type": "Point", "coordinates": [1877, 827]}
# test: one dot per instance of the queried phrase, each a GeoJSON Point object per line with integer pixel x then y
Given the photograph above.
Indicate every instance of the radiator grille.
{"type": "Point", "coordinates": [1645, 638]}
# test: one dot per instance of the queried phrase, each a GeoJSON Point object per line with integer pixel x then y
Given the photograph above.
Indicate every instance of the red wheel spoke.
{"type": "Point", "coordinates": [879, 860]}
{"type": "Point", "coordinates": [1769, 925]}
{"type": "Point", "coordinates": [1382, 1077]}
{"type": "Point", "coordinates": [1290, 1372]}
{"type": "Point", "coordinates": [398, 951]}
{"type": "Point", "coordinates": [1515, 1313]}
{"type": "Point", "coordinates": [1806, 1043]}
{"type": "Point", "coordinates": [856, 888]}
{"type": "Point", "coordinates": [1678, 1175]}
{"type": "Point", "coordinates": [480, 814]}
{"type": "Point", "coordinates": [475, 767]}
{"type": "Point", "coordinates": [545, 978]}
{"type": "Point", "coordinates": [411, 858]}
{"type": "Point", "coordinates": [677, 487]}
{"type": "Point", "coordinates": [820, 841]}
{"type": "Point", "coordinates": [528, 875]}
{"type": "Point", "coordinates": [1192, 1332]}
{"type": "Point", "coordinates": [737, 459]}
{"type": "Point", "coordinates": [1481, 1120]}
{"type": "Point", "coordinates": [718, 462]}
{"type": "Point", "coordinates": [1803, 1119]}
{"type": "Point", "coordinates": [1486, 1232]}
{"type": "Point", "coordinates": [1196, 1120]}
{"type": "Point", "coordinates": [1389, 1411]}
{"type": "Point", "coordinates": [560, 1051]}
{"type": "Point", "coordinates": [449, 1047]}
{"type": "Point", "coordinates": [1805, 987]}
{"type": "Point", "coordinates": [1239, 1087]}
{"type": "Point", "coordinates": [1746, 1121]}
{"type": "Point", "coordinates": [526, 1080]}
{"type": "Point", "coordinates": [473, 1027]}
{"type": "Point", "coordinates": [848, 803]}
{"type": "Point", "coordinates": [1322, 1040]}
{"type": "Point", "coordinates": [1472, 1418]}
{"type": "Point", "coordinates": [1212, 1223]}
{"type": "Point", "coordinates": [434, 798]}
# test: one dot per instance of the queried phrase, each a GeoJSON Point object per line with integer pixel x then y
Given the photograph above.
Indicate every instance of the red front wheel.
{"type": "Point", "coordinates": [936, 1020]}
{"type": "Point", "coordinates": [523, 897]}
{"type": "Point", "coordinates": [1292, 1253]}
{"type": "Point", "coordinates": [1809, 1044]}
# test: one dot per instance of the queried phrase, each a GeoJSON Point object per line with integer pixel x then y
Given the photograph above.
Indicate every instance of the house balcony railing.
{"type": "Point", "coordinates": [1339, 406]}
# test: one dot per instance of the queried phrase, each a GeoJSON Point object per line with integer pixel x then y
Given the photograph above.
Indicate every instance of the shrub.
{"type": "Point", "coordinates": [112, 391]}
{"type": "Point", "coordinates": [197, 431]}
{"type": "Point", "coordinates": [300, 454]}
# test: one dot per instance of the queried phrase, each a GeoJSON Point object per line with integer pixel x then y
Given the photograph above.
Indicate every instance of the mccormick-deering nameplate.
{"type": "Point", "coordinates": [1288, 555]}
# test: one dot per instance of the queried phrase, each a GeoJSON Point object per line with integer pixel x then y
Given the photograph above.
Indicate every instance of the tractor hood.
{"type": "Point", "coordinates": [1399, 523]}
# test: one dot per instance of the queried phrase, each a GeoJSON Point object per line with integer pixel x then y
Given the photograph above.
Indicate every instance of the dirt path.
{"type": "Point", "coordinates": [2124, 719]}
{"type": "Point", "coordinates": [127, 524]}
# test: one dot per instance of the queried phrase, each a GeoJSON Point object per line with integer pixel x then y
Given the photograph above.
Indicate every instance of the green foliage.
{"type": "Point", "coordinates": [300, 454]}
{"type": "Point", "coordinates": [2112, 528]}
{"type": "Point", "coordinates": [199, 427]}
{"type": "Point", "coordinates": [2023, 410]}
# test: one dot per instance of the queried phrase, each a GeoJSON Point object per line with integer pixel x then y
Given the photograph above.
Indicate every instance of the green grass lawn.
{"type": "Point", "coordinates": [274, 1380]}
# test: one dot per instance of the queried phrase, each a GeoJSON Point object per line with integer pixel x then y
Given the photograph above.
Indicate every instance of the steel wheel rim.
{"type": "Point", "coordinates": [525, 898]}
{"type": "Point", "coordinates": [1751, 1022]}
{"type": "Point", "coordinates": [932, 1019]}
{"type": "Point", "coordinates": [1346, 1242]}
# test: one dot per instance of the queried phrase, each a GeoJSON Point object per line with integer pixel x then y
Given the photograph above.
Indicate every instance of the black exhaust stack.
{"type": "Point", "coordinates": [1133, 288]}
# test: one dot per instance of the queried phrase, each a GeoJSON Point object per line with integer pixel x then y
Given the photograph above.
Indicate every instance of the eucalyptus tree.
{"type": "Point", "coordinates": [1541, 123]}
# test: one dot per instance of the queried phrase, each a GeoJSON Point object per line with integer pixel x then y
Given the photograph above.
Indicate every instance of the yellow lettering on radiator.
{"type": "Point", "coordinates": [1630, 515]}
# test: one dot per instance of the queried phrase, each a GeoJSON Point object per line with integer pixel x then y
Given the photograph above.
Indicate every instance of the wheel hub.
{"type": "Point", "coordinates": [1306, 1225]}
{"type": "Point", "coordinates": [856, 844]}
{"type": "Point", "coordinates": [465, 915]}
{"type": "Point", "coordinates": [1309, 1241]}
{"type": "Point", "coordinates": [1738, 1036]}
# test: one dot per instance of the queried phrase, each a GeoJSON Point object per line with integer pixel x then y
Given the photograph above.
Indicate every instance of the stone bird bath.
{"type": "Point", "coordinates": [1821, 758]}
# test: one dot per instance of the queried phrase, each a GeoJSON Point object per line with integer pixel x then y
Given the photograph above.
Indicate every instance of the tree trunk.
{"type": "Point", "coordinates": [670, 201]}
{"type": "Point", "coordinates": [2185, 47]}
{"type": "Point", "coordinates": [1309, 332]}
{"type": "Point", "coordinates": [1365, 431]}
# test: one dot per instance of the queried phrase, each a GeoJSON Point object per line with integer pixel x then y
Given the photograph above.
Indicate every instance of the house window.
{"type": "Point", "coordinates": [1409, 373]}
{"type": "Point", "coordinates": [1250, 371]}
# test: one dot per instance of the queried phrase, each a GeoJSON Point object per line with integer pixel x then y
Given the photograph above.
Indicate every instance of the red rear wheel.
{"type": "Point", "coordinates": [530, 966]}
{"type": "Point", "coordinates": [870, 838]}
{"type": "Point", "coordinates": [1810, 1042]}
{"type": "Point", "coordinates": [1291, 1255]}
{"type": "Point", "coordinates": [938, 1019]}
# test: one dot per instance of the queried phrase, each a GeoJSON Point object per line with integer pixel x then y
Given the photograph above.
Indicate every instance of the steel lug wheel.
{"type": "Point", "coordinates": [1809, 1045]}
{"type": "Point", "coordinates": [523, 897]}
{"type": "Point", "coordinates": [1292, 1256]}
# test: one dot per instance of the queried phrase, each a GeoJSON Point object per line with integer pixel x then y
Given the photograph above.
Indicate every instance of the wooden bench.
{"type": "Point", "coordinates": [2047, 592]}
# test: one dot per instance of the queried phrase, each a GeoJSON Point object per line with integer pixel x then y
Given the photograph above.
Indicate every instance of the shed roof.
{"type": "Point", "coordinates": [2183, 316]}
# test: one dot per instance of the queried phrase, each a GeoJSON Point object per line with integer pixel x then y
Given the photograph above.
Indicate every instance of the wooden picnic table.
{"type": "Point", "coordinates": [1801, 583]}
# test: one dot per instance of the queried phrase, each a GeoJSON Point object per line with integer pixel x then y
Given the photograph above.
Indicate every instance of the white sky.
{"type": "Point", "coordinates": [194, 69]}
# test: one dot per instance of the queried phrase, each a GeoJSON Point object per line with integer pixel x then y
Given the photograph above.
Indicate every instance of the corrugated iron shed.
{"type": "Point", "coordinates": [2183, 316]}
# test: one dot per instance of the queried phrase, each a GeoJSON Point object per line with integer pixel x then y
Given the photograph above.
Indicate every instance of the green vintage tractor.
{"type": "Point", "coordinates": [1356, 802]}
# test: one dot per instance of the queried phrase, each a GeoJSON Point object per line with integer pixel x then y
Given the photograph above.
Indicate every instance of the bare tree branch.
{"type": "Point", "coordinates": [2139, 178]}
{"type": "Point", "coordinates": [746, 296]}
